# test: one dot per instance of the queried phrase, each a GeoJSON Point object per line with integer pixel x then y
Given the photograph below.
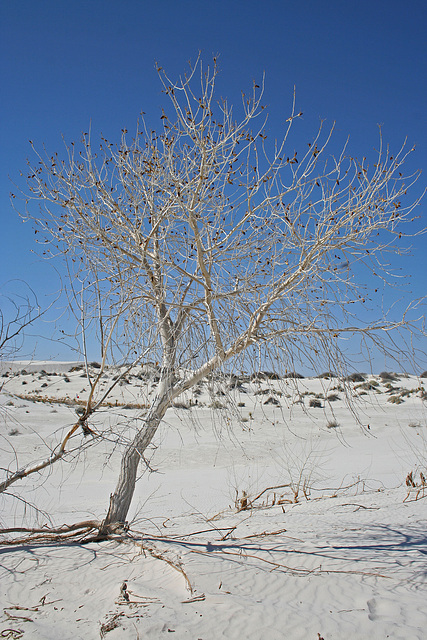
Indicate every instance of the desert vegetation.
{"type": "Point", "coordinates": [208, 248]}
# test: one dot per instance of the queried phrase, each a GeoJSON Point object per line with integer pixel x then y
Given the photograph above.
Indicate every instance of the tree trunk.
{"type": "Point", "coordinates": [121, 499]}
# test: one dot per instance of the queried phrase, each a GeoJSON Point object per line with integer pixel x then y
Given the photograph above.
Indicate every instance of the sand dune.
{"type": "Point", "coordinates": [331, 542]}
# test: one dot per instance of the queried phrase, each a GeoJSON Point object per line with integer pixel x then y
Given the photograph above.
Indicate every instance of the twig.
{"type": "Point", "coordinates": [13, 634]}
{"type": "Point", "coordinates": [184, 535]}
{"type": "Point", "coordinates": [270, 533]}
{"type": "Point", "coordinates": [12, 617]}
{"type": "Point", "coordinates": [359, 506]}
{"type": "Point", "coordinates": [199, 598]}
{"type": "Point", "coordinates": [156, 554]}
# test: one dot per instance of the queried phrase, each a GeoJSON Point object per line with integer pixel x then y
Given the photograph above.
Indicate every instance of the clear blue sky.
{"type": "Point", "coordinates": [64, 64]}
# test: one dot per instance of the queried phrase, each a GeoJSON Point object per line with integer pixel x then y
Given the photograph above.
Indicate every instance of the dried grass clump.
{"type": "Point", "coordinates": [332, 397]}
{"type": "Point", "coordinates": [391, 388]}
{"type": "Point", "coordinates": [216, 405]}
{"type": "Point", "coordinates": [368, 386]}
{"type": "Point", "coordinates": [415, 487]}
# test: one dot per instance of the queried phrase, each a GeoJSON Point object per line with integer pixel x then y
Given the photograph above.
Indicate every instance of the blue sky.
{"type": "Point", "coordinates": [66, 64]}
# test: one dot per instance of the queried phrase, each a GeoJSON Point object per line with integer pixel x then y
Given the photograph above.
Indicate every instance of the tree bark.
{"type": "Point", "coordinates": [121, 499]}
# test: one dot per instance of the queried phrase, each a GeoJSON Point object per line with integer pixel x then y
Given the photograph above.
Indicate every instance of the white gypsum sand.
{"type": "Point", "coordinates": [292, 522]}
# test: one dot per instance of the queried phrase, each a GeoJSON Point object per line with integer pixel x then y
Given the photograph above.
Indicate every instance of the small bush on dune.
{"type": "Point", "coordinates": [263, 375]}
{"type": "Point", "coordinates": [293, 374]}
{"type": "Point", "coordinates": [270, 375]}
{"type": "Point", "coordinates": [391, 388]}
{"type": "Point", "coordinates": [368, 386]}
{"type": "Point", "coordinates": [356, 377]}
{"type": "Point", "coordinates": [388, 377]}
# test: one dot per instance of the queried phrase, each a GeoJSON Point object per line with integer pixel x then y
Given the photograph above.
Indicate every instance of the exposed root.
{"type": "Point", "coordinates": [88, 531]}
{"type": "Point", "coordinates": [83, 533]}
{"type": "Point", "coordinates": [78, 532]}
{"type": "Point", "coordinates": [298, 571]}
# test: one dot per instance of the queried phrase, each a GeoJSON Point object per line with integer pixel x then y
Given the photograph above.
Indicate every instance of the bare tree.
{"type": "Point", "coordinates": [19, 308]}
{"type": "Point", "coordinates": [214, 247]}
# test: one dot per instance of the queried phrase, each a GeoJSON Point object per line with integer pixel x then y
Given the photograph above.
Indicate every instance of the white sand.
{"type": "Point", "coordinates": [350, 562]}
